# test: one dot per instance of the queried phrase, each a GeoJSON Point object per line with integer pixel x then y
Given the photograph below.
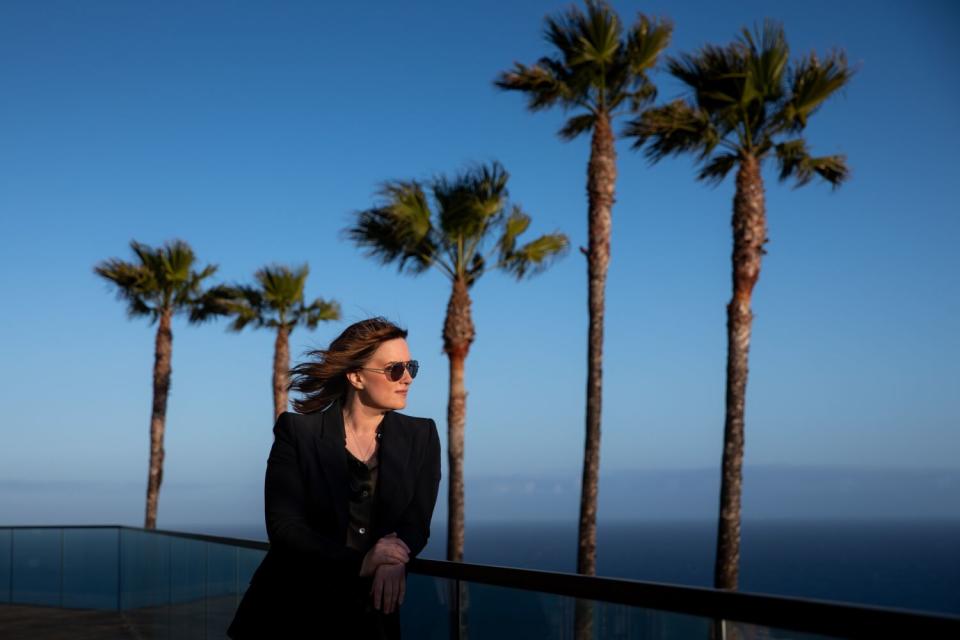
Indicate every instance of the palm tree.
{"type": "Point", "coordinates": [450, 234]}
{"type": "Point", "coordinates": [598, 73]}
{"type": "Point", "coordinates": [161, 283]}
{"type": "Point", "coordinates": [744, 105]}
{"type": "Point", "coordinates": [277, 302]}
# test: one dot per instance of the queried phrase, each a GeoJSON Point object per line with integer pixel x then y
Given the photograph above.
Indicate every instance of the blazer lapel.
{"type": "Point", "coordinates": [393, 454]}
{"type": "Point", "coordinates": [330, 443]}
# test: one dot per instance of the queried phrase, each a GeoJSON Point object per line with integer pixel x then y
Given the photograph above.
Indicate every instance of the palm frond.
{"type": "Point", "coordinates": [133, 285]}
{"type": "Point", "coordinates": [715, 75]}
{"type": "Point", "coordinates": [478, 265]}
{"type": "Point", "coordinates": [212, 303]}
{"type": "Point", "coordinates": [515, 224]}
{"type": "Point", "coordinates": [318, 311]}
{"type": "Point", "coordinates": [542, 84]}
{"type": "Point", "coordinates": [281, 285]}
{"type": "Point", "coordinates": [399, 230]}
{"type": "Point", "coordinates": [646, 41]}
{"type": "Point", "coordinates": [716, 168]}
{"type": "Point", "coordinates": [188, 290]}
{"type": "Point", "coordinates": [811, 83]}
{"type": "Point", "coordinates": [644, 94]}
{"type": "Point", "coordinates": [562, 32]}
{"type": "Point", "coordinates": [161, 278]}
{"type": "Point", "coordinates": [246, 305]}
{"type": "Point", "coordinates": [597, 34]}
{"type": "Point", "coordinates": [468, 203]}
{"type": "Point", "coordinates": [672, 129]}
{"type": "Point", "coordinates": [766, 56]}
{"type": "Point", "coordinates": [742, 97]}
{"type": "Point", "coordinates": [795, 161]}
{"type": "Point", "coordinates": [535, 256]}
{"type": "Point", "coordinates": [577, 125]}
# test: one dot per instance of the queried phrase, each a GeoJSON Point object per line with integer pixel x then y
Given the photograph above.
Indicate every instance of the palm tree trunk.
{"type": "Point", "coordinates": [749, 236]}
{"type": "Point", "coordinates": [458, 334]}
{"type": "Point", "coordinates": [161, 388]}
{"type": "Point", "coordinates": [601, 181]}
{"type": "Point", "coordinates": [281, 368]}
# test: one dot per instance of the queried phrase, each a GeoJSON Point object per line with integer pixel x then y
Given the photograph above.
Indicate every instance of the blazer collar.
{"type": "Point", "coordinates": [394, 454]}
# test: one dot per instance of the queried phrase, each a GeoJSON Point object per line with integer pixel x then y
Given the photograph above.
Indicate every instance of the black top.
{"type": "Point", "coordinates": [362, 479]}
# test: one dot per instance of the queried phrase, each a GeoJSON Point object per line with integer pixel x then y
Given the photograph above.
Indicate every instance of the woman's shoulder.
{"type": "Point", "coordinates": [296, 424]}
{"type": "Point", "coordinates": [416, 422]}
{"type": "Point", "coordinates": [421, 430]}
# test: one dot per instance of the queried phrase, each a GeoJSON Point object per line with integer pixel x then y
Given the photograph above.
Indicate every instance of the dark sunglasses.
{"type": "Point", "coordinates": [394, 370]}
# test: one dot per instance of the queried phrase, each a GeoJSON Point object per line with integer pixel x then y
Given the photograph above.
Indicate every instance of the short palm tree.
{"type": "Point", "coordinates": [467, 229]}
{"type": "Point", "coordinates": [159, 284]}
{"type": "Point", "coordinates": [599, 73]}
{"type": "Point", "coordinates": [745, 104]}
{"type": "Point", "coordinates": [277, 302]}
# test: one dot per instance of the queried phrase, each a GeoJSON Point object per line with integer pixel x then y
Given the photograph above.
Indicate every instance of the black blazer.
{"type": "Point", "coordinates": [302, 585]}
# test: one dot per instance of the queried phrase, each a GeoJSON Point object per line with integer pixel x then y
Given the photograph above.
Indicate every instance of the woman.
{"type": "Point", "coordinates": [349, 493]}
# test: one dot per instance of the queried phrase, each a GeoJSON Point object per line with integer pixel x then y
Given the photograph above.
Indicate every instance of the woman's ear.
{"type": "Point", "coordinates": [355, 380]}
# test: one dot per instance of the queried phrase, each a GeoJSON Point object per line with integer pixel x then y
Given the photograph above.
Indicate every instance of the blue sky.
{"type": "Point", "coordinates": [254, 130]}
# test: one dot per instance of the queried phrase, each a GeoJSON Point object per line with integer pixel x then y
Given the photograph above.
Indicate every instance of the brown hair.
{"type": "Point", "coordinates": [324, 379]}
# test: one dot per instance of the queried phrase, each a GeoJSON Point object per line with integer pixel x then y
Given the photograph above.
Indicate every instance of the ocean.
{"type": "Point", "coordinates": [892, 563]}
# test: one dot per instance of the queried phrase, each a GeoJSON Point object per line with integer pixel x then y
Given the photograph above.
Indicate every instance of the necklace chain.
{"type": "Point", "coordinates": [369, 451]}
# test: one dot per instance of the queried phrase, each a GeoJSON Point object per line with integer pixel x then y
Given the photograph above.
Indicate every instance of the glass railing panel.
{"type": "Point", "coordinates": [499, 612]}
{"type": "Point", "coordinates": [427, 607]}
{"type": "Point", "coordinates": [506, 614]}
{"type": "Point", "coordinates": [222, 589]}
{"type": "Point", "coordinates": [188, 571]}
{"type": "Point", "coordinates": [36, 570]}
{"type": "Point", "coordinates": [743, 631]}
{"type": "Point", "coordinates": [622, 621]}
{"type": "Point", "coordinates": [145, 579]}
{"type": "Point", "coordinates": [6, 564]}
{"type": "Point", "coordinates": [247, 562]}
{"type": "Point", "coordinates": [145, 582]}
{"type": "Point", "coordinates": [171, 587]}
{"type": "Point", "coordinates": [91, 568]}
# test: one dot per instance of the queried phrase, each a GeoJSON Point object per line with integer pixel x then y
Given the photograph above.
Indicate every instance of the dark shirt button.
{"type": "Point", "coordinates": [365, 493]}
{"type": "Point", "coordinates": [363, 530]}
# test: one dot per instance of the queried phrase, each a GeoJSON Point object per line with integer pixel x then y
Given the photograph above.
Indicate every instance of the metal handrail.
{"type": "Point", "coordinates": [782, 612]}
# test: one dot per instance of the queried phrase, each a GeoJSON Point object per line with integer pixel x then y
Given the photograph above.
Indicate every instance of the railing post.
{"type": "Point", "coordinates": [169, 586]}
{"type": "Point", "coordinates": [458, 620]}
{"type": "Point", "coordinates": [119, 569]}
{"type": "Point", "coordinates": [718, 629]}
{"type": "Point", "coordinates": [236, 575]}
{"type": "Point", "coordinates": [206, 572]}
{"type": "Point", "coordinates": [11, 566]}
{"type": "Point", "coordinates": [61, 567]}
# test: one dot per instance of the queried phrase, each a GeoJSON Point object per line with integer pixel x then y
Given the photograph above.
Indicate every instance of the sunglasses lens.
{"type": "Point", "coordinates": [413, 366]}
{"type": "Point", "coordinates": [396, 371]}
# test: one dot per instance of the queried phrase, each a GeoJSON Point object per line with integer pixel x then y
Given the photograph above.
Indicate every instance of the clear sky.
{"type": "Point", "coordinates": [253, 130]}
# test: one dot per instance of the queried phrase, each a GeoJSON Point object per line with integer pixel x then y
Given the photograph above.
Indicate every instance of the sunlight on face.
{"type": "Point", "coordinates": [378, 390]}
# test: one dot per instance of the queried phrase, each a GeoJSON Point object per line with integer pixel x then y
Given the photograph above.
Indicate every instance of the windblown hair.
{"type": "Point", "coordinates": [323, 379]}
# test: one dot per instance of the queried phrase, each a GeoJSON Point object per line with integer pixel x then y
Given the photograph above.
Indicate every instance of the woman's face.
{"type": "Point", "coordinates": [377, 390]}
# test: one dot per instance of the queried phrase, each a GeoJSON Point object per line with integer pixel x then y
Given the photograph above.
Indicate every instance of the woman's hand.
{"type": "Point", "coordinates": [389, 586]}
{"type": "Point", "coordinates": [388, 550]}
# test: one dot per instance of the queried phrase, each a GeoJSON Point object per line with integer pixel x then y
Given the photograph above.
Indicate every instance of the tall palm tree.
{"type": "Point", "coordinates": [277, 302]}
{"type": "Point", "coordinates": [745, 104]}
{"type": "Point", "coordinates": [159, 284]}
{"type": "Point", "coordinates": [468, 229]}
{"type": "Point", "coordinates": [599, 73]}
